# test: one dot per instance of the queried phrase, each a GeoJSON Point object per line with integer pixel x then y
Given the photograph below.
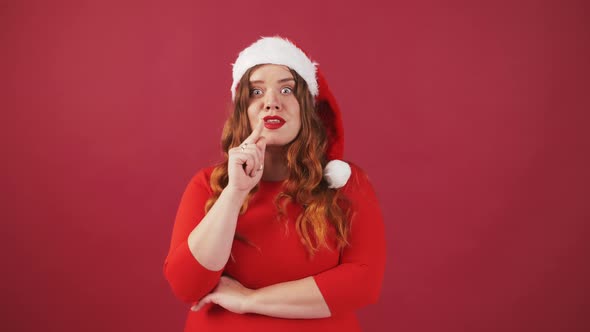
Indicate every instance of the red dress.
{"type": "Point", "coordinates": [347, 280]}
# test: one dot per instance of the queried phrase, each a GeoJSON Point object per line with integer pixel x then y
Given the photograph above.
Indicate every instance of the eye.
{"type": "Point", "coordinates": [286, 90]}
{"type": "Point", "coordinates": [255, 92]}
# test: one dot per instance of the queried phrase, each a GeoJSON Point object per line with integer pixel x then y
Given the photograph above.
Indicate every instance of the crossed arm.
{"type": "Point", "coordinates": [318, 296]}
{"type": "Point", "coordinates": [292, 299]}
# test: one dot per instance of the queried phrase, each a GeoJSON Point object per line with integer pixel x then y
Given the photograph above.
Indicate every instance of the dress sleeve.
{"type": "Point", "coordinates": [357, 280]}
{"type": "Point", "coordinates": [189, 280]}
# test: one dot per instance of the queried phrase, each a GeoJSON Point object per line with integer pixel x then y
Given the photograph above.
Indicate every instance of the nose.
{"type": "Point", "coordinates": [272, 101]}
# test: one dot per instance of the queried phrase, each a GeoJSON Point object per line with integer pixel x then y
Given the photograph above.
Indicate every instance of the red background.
{"type": "Point", "coordinates": [469, 117]}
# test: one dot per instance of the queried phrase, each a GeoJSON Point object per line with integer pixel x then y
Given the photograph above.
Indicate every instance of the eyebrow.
{"type": "Point", "coordinates": [279, 81]}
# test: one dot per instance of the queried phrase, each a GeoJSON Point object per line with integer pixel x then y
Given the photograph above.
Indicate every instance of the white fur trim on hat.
{"type": "Point", "coordinates": [278, 51]}
{"type": "Point", "coordinates": [337, 173]}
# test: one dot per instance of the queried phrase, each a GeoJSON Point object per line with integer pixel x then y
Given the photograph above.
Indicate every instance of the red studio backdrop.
{"type": "Point", "coordinates": [470, 118]}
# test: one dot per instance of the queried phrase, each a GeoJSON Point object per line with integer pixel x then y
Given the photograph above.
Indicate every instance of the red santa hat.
{"type": "Point", "coordinates": [281, 51]}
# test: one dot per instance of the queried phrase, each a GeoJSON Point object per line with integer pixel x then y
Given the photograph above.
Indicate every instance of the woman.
{"type": "Point", "coordinates": [281, 236]}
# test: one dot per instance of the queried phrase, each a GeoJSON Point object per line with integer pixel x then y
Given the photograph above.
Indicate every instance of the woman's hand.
{"type": "Point", "coordinates": [293, 299]}
{"type": "Point", "coordinates": [229, 294]}
{"type": "Point", "coordinates": [246, 161]}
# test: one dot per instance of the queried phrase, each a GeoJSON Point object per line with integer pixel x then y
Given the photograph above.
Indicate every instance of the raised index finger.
{"type": "Point", "coordinates": [255, 133]}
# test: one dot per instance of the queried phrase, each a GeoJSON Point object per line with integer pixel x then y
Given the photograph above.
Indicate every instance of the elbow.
{"type": "Point", "coordinates": [184, 296]}
{"type": "Point", "coordinates": [373, 295]}
{"type": "Point", "coordinates": [377, 275]}
{"type": "Point", "coordinates": [179, 287]}
{"type": "Point", "coordinates": [340, 297]}
{"type": "Point", "coordinates": [371, 277]}
{"type": "Point", "coordinates": [189, 287]}
{"type": "Point", "coordinates": [372, 291]}
{"type": "Point", "coordinates": [189, 280]}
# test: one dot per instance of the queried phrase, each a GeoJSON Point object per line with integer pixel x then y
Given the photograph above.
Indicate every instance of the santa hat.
{"type": "Point", "coordinates": [281, 51]}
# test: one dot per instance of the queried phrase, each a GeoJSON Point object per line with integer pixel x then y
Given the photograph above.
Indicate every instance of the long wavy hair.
{"type": "Point", "coordinates": [306, 158]}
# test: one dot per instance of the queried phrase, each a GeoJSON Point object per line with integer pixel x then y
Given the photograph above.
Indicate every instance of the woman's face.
{"type": "Point", "coordinates": [272, 99]}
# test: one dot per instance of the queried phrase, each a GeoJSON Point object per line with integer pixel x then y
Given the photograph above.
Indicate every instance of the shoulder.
{"type": "Point", "coordinates": [202, 178]}
{"type": "Point", "coordinates": [360, 193]}
{"type": "Point", "coordinates": [358, 178]}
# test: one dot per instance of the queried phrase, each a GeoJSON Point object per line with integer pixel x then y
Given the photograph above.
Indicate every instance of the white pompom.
{"type": "Point", "coordinates": [337, 173]}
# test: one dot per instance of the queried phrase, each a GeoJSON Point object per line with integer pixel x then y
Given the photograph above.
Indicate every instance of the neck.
{"type": "Point", "coordinates": [275, 164]}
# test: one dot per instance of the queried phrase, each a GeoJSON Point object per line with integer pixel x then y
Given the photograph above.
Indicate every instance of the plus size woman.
{"type": "Point", "coordinates": [282, 235]}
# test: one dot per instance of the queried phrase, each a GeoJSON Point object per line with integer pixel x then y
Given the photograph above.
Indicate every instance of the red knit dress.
{"type": "Point", "coordinates": [347, 280]}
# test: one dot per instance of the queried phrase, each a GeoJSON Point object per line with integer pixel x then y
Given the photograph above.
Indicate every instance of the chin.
{"type": "Point", "coordinates": [273, 143]}
{"type": "Point", "coordinates": [273, 140]}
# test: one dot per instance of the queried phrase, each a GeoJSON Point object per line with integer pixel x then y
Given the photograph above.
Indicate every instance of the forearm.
{"type": "Point", "coordinates": [293, 299]}
{"type": "Point", "coordinates": [211, 241]}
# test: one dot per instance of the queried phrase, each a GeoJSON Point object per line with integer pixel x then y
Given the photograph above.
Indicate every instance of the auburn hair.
{"type": "Point", "coordinates": [306, 158]}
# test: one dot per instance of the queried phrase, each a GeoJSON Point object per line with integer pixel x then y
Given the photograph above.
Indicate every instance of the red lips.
{"type": "Point", "coordinates": [273, 122]}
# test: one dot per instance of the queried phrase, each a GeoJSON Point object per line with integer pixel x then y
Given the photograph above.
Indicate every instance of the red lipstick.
{"type": "Point", "coordinates": [273, 122]}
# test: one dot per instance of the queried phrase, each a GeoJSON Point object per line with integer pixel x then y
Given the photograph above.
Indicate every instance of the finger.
{"type": "Point", "coordinates": [252, 168]}
{"type": "Point", "coordinates": [255, 133]}
{"type": "Point", "coordinates": [261, 148]}
{"type": "Point", "coordinates": [244, 148]}
{"type": "Point", "coordinates": [247, 157]}
{"type": "Point", "coordinates": [236, 152]}
{"type": "Point", "coordinates": [249, 163]}
{"type": "Point", "coordinates": [256, 166]}
{"type": "Point", "coordinates": [257, 163]}
{"type": "Point", "coordinates": [241, 156]}
{"type": "Point", "coordinates": [198, 306]}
